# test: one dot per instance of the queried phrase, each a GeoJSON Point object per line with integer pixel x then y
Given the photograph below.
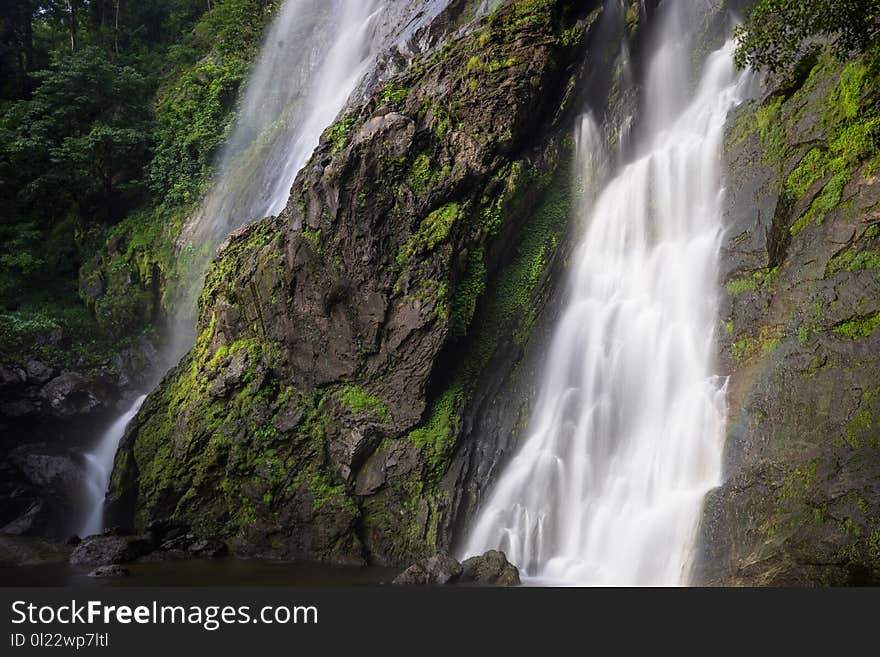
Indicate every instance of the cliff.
{"type": "Point", "coordinates": [801, 503]}
{"type": "Point", "coordinates": [340, 344]}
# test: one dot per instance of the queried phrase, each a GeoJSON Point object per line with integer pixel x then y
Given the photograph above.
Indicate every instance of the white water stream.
{"type": "Point", "coordinates": [627, 434]}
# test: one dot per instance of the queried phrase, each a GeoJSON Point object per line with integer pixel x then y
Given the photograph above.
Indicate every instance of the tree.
{"type": "Point", "coordinates": [776, 32]}
{"type": "Point", "coordinates": [82, 139]}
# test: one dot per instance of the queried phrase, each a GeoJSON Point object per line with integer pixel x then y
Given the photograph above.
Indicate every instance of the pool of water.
{"type": "Point", "coordinates": [201, 572]}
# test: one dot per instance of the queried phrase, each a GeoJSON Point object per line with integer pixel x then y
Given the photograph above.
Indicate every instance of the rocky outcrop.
{"type": "Point", "coordinates": [801, 500]}
{"type": "Point", "coordinates": [489, 569]}
{"type": "Point", "coordinates": [341, 343]}
{"type": "Point", "coordinates": [52, 409]}
{"type": "Point", "coordinates": [439, 569]}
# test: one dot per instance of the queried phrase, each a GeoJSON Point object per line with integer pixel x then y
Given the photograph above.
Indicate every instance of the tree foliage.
{"type": "Point", "coordinates": [776, 32]}
{"type": "Point", "coordinates": [111, 112]}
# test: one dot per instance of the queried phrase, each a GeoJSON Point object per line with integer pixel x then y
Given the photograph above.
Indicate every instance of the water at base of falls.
{"type": "Point", "coordinates": [627, 435]}
{"type": "Point", "coordinates": [99, 467]}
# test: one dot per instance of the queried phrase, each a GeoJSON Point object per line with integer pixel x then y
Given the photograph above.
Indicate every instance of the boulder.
{"type": "Point", "coordinates": [491, 569]}
{"type": "Point", "coordinates": [110, 571]}
{"type": "Point", "coordinates": [439, 569]}
{"type": "Point", "coordinates": [209, 549]}
{"type": "Point", "coordinates": [103, 550]}
{"type": "Point", "coordinates": [70, 394]}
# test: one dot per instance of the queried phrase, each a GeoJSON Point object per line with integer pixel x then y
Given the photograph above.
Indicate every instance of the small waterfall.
{"type": "Point", "coordinates": [627, 434]}
{"type": "Point", "coordinates": [99, 466]}
{"type": "Point", "coordinates": [315, 56]}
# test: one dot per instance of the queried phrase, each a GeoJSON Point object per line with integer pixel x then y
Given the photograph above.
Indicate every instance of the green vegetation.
{"type": "Point", "coordinates": [110, 117]}
{"type": "Point", "coordinates": [433, 230]}
{"type": "Point", "coordinates": [359, 400]}
{"type": "Point", "coordinates": [776, 32]}
{"type": "Point", "coordinates": [859, 327]}
{"type": "Point", "coordinates": [338, 134]}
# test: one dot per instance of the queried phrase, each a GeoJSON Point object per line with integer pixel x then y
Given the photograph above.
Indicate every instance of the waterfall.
{"type": "Point", "coordinates": [99, 466]}
{"type": "Point", "coordinates": [627, 434]}
{"type": "Point", "coordinates": [316, 54]}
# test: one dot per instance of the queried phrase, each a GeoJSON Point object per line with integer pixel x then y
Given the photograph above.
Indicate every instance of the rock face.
{"type": "Point", "coordinates": [800, 338]}
{"type": "Point", "coordinates": [341, 343]}
{"type": "Point", "coordinates": [50, 413]}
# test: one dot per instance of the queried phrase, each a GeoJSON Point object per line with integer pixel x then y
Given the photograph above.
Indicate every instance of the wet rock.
{"type": "Point", "coordinates": [71, 393]}
{"type": "Point", "coordinates": [208, 549]}
{"type": "Point", "coordinates": [102, 550]}
{"type": "Point", "coordinates": [438, 569]}
{"type": "Point", "coordinates": [11, 376]}
{"type": "Point", "coordinates": [112, 570]}
{"type": "Point", "coordinates": [38, 372]}
{"type": "Point", "coordinates": [30, 551]}
{"type": "Point", "coordinates": [32, 520]}
{"type": "Point", "coordinates": [491, 569]}
{"type": "Point", "coordinates": [15, 410]}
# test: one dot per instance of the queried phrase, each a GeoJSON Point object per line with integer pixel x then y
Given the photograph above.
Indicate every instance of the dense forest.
{"type": "Point", "coordinates": [112, 113]}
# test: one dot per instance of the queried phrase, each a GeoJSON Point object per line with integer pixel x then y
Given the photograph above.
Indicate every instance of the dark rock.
{"type": "Point", "coordinates": [491, 569]}
{"type": "Point", "coordinates": [102, 550]}
{"type": "Point", "coordinates": [439, 569]}
{"type": "Point", "coordinates": [73, 540]}
{"type": "Point", "coordinates": [110, 571]}
{"type": "Point", "coordinates": [71, 393]}
{"type": "Point", "coordinates": [11, 376]}
{"type": "Point", "coordinates": [30, 551]}
{"type": "Point", "coordinates": [208, 549]}
{"type": "Point", "coordinates": [38, 372]}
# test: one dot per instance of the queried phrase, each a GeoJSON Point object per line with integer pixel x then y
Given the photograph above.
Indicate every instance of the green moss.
{"type": "Point", "coordinates": [768, 340]}
{"type": "Point", "coordinates": [632, 17]}
{"type": "Point", "coordinates": [433, 230]}
{"type": "Point", "coordinates": [827, 200]}
{"type": "Point", "coordinates": [741, 285]}
{"type": "Point", "coordinates": [811, 168]}
{"type": "Point", "coordinates": [313, 236]}
{"type": "Point", "coordinates": [325, 490]}
{"type": "Point", "coordinates": [858, 327]}
{"type": "Point", "coordinates": [468, 292]}
{"type": "Point", "coordinates": [339, 133]}
{"type": "Point", "coordinates": [392, 94]}
{"type": "Point", "coordinates": [423, 176]}
{"type": "Point", "coordinates": [850, 260]}
{"type": "Point", "coordinates": [769, 124]}
{"type": "Point", "coordinates": [359, 400]}
{"type": "Point", "coordinates": [436, 437]}
{"type": "Point", "coordinates": [763, 278]}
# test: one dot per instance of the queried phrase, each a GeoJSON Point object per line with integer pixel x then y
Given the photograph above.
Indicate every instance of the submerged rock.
{"type": "Point", "coordinates": [112, 570]}
{"type": "Point", "coordinates": [491, 568]}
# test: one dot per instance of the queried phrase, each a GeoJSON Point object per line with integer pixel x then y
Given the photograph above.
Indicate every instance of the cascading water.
{"type": "Point", "coordinates": [99, 466]}
{"type": "Point", "coordinates": [627, 435]}
{"type": "Point", "coordinates": [315, 56]}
